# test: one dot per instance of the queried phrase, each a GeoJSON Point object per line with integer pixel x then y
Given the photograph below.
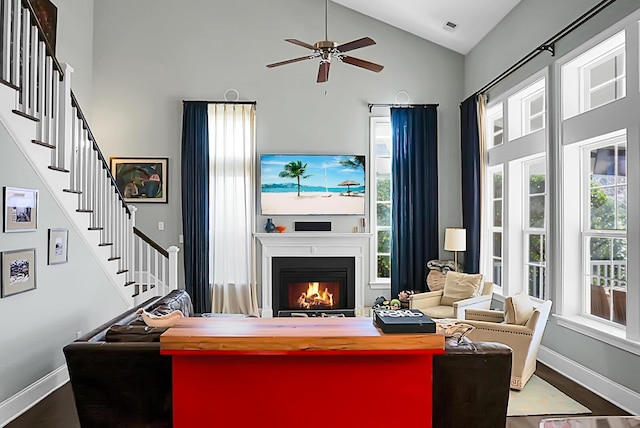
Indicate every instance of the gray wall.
{"type": "Point", "coordinates": [535, 21]}
{"type": "Point", "coordinates": [70, 297]}
{"type": "Point", "coordinates": [149, 55]}
{"type": "Point", "coordinates": [74, 46]}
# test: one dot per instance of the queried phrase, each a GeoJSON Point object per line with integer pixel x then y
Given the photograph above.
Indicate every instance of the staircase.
{"type": "Point", "coordinates": [40, 111]}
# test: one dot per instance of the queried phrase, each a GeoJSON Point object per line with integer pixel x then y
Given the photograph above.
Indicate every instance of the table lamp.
{"type": "Point", "coordinates": [455, 239]}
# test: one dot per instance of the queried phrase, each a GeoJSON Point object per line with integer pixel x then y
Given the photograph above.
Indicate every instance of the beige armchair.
{"type": "Point", "coordinates": [437, 304]}
{"type": "Point", "coordinates": [521, 331]}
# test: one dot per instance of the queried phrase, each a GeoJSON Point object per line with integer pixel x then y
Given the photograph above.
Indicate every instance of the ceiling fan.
{"type": "Point", "coordinates": [327, 49]}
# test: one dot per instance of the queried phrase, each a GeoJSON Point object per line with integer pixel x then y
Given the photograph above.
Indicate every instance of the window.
{"type": "Point", "coordinates": [496, 226]}
{"type": "Point", "coordinates": [534, 112]}
{"type": "Point", "coordinates": [380, 131]}
{"type": "Point", "coordinates": [495, 125]}
{"type": "Point", "coordinates": [514, 232]}
{"type": "Point", "coordinates": [604, 237]}
{"type": "Point", "coordinates": [595, 77]}
{"type": "Point", "coordinates": [535, 209]}
{"type": "Point", "coordinates": [527, 110]}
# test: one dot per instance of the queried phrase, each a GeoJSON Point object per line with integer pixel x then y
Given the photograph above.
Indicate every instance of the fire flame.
{"type": "Point", "coordinates": [313, 298]}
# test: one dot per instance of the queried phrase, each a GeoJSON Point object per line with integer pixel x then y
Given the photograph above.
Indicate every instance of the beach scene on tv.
{"type": "Point", "coordinates": [312, 184]}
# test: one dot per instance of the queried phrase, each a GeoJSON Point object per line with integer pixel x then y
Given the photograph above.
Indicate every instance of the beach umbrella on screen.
{"type": "Point", "coordinates": [349, 183]}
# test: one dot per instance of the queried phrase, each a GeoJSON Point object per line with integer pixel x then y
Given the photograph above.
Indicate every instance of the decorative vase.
{"type": "Point", "coordinates": [269, 226]}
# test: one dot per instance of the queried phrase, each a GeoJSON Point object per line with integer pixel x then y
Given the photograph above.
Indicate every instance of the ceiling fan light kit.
{"type": "Point", "coordinates": [327, 50]}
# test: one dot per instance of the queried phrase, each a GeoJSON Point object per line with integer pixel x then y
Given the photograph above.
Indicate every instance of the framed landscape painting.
{"type": "Point", "coordinates": [141, 179]}
{"type": "Point", "coordinates": [20, 209]}
{"type": "Point", "coordinates": [18, 271]}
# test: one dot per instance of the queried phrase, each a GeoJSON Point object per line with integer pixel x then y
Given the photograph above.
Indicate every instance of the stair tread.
{"type": "Point", "coordinates": [110, 259]}
{"type": "Point", "coordinates": [122, 271]}
{"type": "Point", "coordinates": [84, 211]}
{"type": "Point", "coordinates": [95, 228]}
{"type": "Point", "coordinates": [126, 284]}
{"type": "Point", "coordinates": [57, 168]}
{"type": "Point", "coordinates": [9, 84]}
{"type": "Point", "coordinates": [43, 144]}
{"type": "Point", "coordinates": [105, 244]}
{"type": "Point", "coordinates": [25, 115]}
{"type": "Point", "coordinates": [79, 192]}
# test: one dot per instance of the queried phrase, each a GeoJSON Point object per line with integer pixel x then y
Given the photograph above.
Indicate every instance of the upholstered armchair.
{"type": "Point", "coordinates": [461, 292]}
{"type": "Point", "coordinates": [520, 326]}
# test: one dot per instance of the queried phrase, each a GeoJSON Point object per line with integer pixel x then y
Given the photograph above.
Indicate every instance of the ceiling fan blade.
{"type": "Point", "coordinates": [356, 44]}
{"type": "Point", "coordinates": [289, 61]}
{"type": "Point", "coordinates": [323, 71]}
{"type": "Point", "coordinates": [362, 63]}
{"type": "Point", "coordinates": [299, 43]}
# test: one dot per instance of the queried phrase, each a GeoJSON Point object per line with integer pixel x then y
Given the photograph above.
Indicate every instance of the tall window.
{"type": "Point", "coordinates": [534, 230]}
{"type": "Point", "coordinates": [380, 131]}
{"type": "Point", "coordinates": [604, 237]}
{"type": "Point", "coordinates": [231, 207]}
{"type": "Point", "coordinates": [516, 200]}
{"type": "Point", "coordinates": [497, 205]}
{"type": "Point", "coordinates": [598, 123]}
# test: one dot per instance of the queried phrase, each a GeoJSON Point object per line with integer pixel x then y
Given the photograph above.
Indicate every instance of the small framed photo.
{"type": "Point", "coordinates": [20, 209]}
{"type": "Point", "coordinates": [18, 271]}
{"type": "Point", "coordinates": [58, 251]}
{"type": "Point", "coordinates": [141, 179]}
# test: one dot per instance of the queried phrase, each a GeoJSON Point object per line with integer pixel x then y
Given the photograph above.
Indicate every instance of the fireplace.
{"type": "Point", "coordinates": [313, 286]}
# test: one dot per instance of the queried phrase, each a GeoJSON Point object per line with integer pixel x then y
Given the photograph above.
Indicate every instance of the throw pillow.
{"type": "Point", "coordinates": [166, 320]}
{"type": "Point", "coordinates": [435, 280]}
{"type": "Point", "coordinates": [518, 309]}
{"type": "Point", "coordinates": [459, 286]}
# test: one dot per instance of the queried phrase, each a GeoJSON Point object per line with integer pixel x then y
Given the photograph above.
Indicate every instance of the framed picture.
{"type": "Point", "coordinates": [20, 209]}
{"type": "Point", "coordinates": [141, 179]}
{"type": "Point", "coordinates": [47, 15]}
{"type": "Point", "coordinates": [18, 271]}
{"type": "Point", "coordinates": [58, 251]}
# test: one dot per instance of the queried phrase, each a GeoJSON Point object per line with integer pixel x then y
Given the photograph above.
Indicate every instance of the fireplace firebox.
{"type": "Point", "coordinates": [313, 286]}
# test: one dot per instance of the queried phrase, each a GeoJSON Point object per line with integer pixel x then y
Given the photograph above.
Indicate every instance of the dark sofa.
{"type": "Point", "coordinates": [119, 379]}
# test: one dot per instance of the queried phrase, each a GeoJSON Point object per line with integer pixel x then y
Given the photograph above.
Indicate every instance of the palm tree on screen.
{"type": "Point", "coordinates": [295, 169]}
{"type": "Point", "coordinates": [355, 162]}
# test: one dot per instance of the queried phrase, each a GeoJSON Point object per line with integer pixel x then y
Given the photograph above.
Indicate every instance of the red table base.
{"type": "Point", "coordinates": [294, 390]}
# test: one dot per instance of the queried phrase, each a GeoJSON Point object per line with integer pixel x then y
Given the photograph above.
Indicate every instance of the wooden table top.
{"type": "Point", "coordinates": [290, 334]}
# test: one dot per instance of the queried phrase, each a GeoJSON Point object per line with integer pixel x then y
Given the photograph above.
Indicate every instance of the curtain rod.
{"type": "Point", "coordinates": [219, 102]}
{"type": "Point", "coordinates": [401, 105]}
{"type": "Point", "coordinates": [548, 46]}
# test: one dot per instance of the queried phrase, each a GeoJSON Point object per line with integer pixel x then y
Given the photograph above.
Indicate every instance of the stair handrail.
{"type": "Point", "coordinates": [153, 244]}
{"type": "Point", "coordinates": [74, 101]}
{"type": "Point", "coordinates": [94, 143]}
{"type": "Point", "coordinates": [49, 50]}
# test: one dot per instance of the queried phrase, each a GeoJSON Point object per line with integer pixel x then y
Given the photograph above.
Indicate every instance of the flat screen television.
{"type": "Point", "coordinates": [312, 184]}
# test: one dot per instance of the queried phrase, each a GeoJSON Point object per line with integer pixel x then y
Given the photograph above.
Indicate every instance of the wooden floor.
{"type": "Point", "coordinates": [58, 409]}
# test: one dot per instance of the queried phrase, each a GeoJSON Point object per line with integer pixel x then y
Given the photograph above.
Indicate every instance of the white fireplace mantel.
{"type": "Point", "coordinates": [313, 244]}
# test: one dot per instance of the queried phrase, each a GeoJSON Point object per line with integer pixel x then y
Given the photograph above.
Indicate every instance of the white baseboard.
{"type": "Point", "coordinates": [16, 405]}
{"type": "Point", "coordinates": [617, 394]}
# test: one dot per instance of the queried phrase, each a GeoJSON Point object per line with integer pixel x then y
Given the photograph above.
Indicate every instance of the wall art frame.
{"type": "Point", "coordinates": [20, 209]}
{"type": "Point", "coordinates": [58, 246]}
{"type": "Point", "coordinates": [141, 179]}
{"type": "Point", "coordinates": [18, 268]}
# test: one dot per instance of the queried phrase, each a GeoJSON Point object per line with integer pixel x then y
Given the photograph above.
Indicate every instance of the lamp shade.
{"type": "Point", "coordinates": [455, 239]}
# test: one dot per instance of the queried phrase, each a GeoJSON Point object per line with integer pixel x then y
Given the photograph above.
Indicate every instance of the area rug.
{"type": "Point", "coordinates": [540, 398]}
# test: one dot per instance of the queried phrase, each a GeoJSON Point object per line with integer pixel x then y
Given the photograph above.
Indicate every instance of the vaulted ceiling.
{"type": "Point", "coordinates": [469, 20]}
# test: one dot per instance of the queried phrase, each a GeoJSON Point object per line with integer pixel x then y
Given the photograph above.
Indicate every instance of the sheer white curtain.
{"type": "Point", "coordinates": [231, 208]}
